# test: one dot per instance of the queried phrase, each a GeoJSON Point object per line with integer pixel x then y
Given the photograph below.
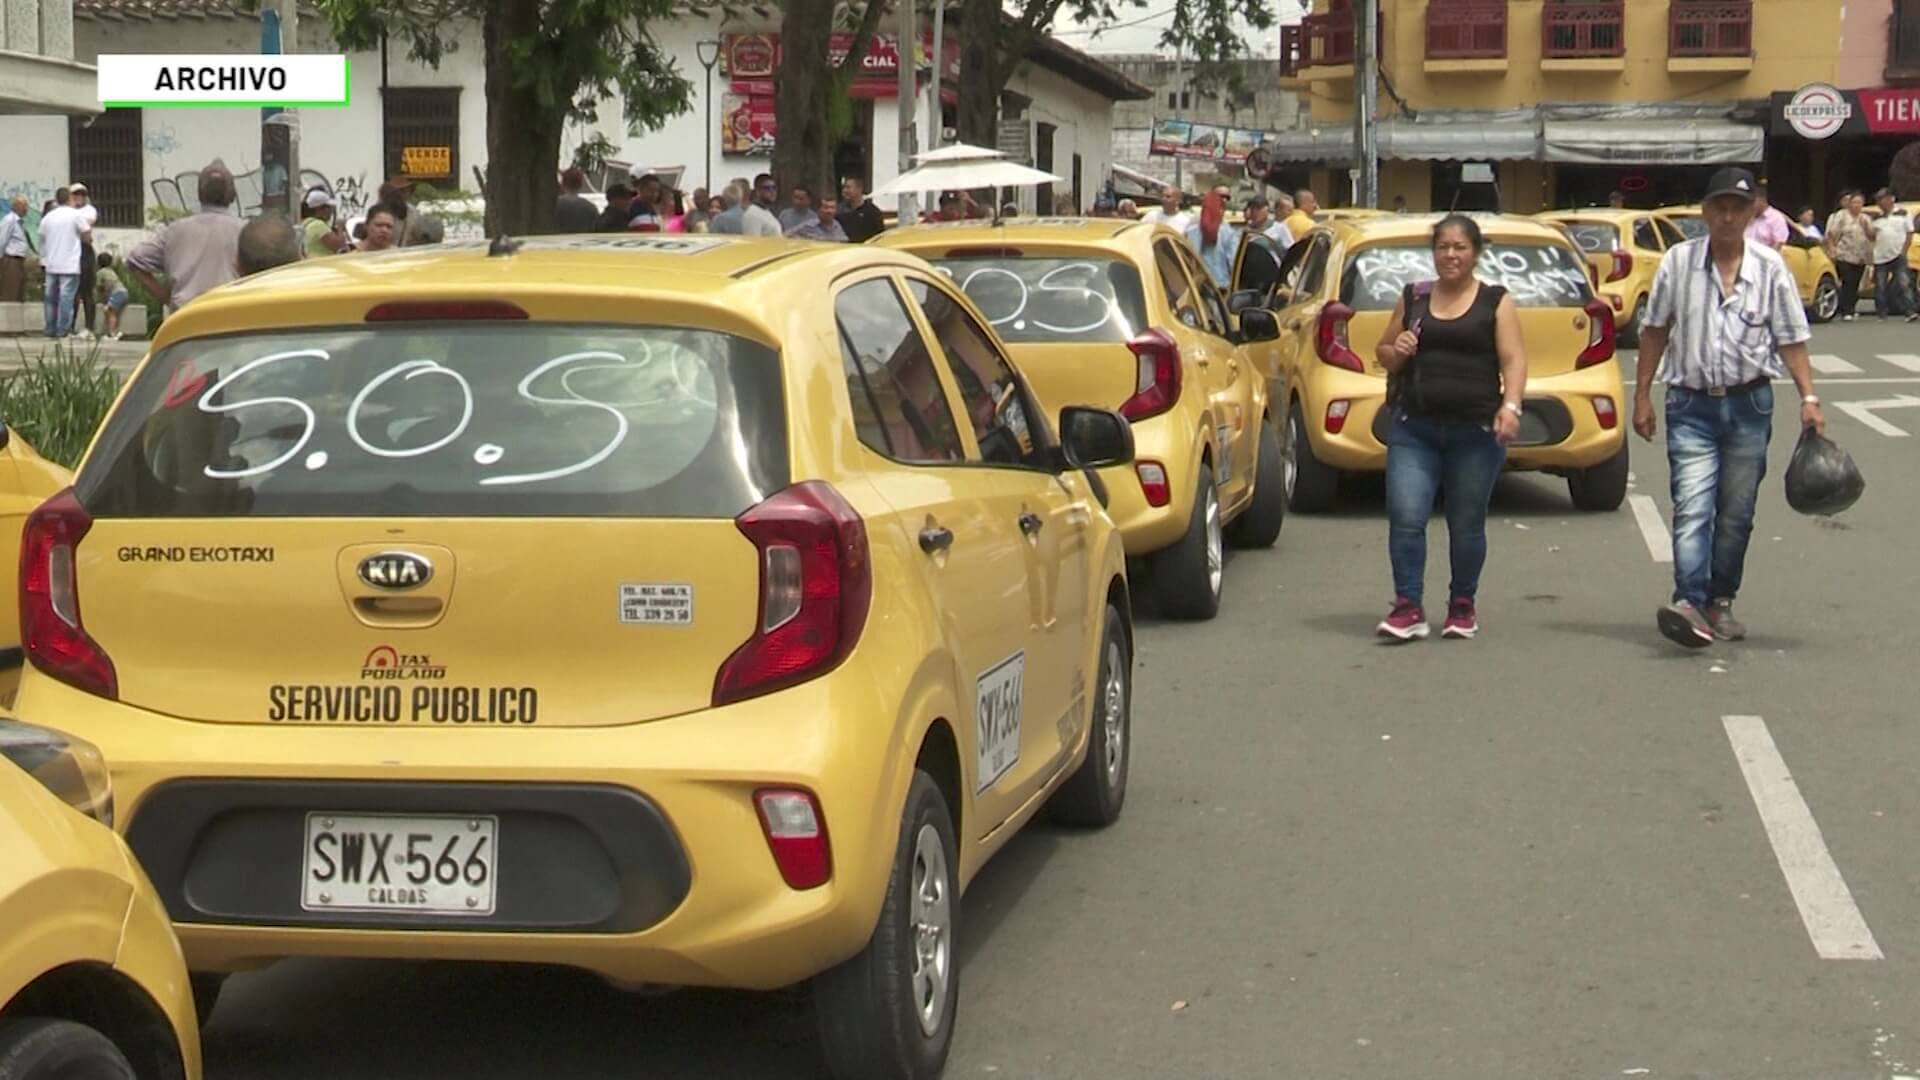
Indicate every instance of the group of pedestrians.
{"type": "Point", "coordinates": [743, 208]}
{"type": "Point", "coordinates": [1857, 242]}
{"type": "Point", "coordinates": [76, 277]}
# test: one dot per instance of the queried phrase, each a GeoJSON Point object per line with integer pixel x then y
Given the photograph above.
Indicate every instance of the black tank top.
{"type": "Point", "coordinates": [1455, 375]}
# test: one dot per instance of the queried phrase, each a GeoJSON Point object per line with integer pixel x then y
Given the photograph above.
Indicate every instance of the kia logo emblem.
{"type": "Point", "coordinates": [395, 570]}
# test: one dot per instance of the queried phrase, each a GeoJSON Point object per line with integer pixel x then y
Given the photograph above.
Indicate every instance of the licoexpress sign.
{"type": "Point", "coordinates": [1819, 112]}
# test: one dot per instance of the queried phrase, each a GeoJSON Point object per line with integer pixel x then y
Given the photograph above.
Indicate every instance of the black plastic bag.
{"type": "Point", "coordinates": [1822, 478]}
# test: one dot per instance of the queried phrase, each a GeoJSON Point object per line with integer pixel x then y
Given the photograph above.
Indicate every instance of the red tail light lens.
{"type": "Point", "coordinates": [1599, 348]}
{"type": "Point", "coordinates": [1330, 338]}
{"type": "Point", "coordinates": [1622, 266]}
{"type": "Point", "coordinates": [1157, 386]}
{"type": "Point", "coordinates": [51, 633]}
{"type": "Point", "coordinates": [797, 834]}
{"type": "Point", "coordinates": [1337, 416]}
{"type": "Point", "coordinates": [1153, 482]}
{"type": "Point", "coordinates": [816, 583]}
{"type": "Point", "coordinates": [1604, 411]}
{"type": "Point", "coordinates": [443, 310]}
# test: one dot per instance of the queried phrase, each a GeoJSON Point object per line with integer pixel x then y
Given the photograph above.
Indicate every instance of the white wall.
{"type": "Point", "coordinates": [1084, 123]}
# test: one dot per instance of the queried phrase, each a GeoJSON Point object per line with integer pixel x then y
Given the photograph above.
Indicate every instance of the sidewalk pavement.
{"type": "Point", "coordinates": [121, 355]}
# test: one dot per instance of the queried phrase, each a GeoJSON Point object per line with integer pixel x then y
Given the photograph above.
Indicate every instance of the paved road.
{"type": "Point", "coordinates": [1533, 855]}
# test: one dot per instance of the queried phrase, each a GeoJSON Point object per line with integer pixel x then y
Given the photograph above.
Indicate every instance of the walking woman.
{"type": "Point", "coordinates": [1849, 243]}
{"type": "Point", "coordinates": [1456, 377]}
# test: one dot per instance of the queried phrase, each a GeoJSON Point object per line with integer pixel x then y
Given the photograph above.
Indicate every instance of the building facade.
{"type": "Point", "coordinates": [1253, 99]}
{"type": "Point", "coordinates": [37, 69]}
{"type": "Point", "coordinates": [1534, 104]}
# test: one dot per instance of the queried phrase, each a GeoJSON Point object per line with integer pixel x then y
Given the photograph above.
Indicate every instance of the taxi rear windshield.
{"type": "Point", "coordinates": [1691, 226]}
{"type": "Point", "coordinates": [446, 419]}
{"type": "Point", "coordinates": [1594, 237]}
{"type": "Point", "coordinates": [1534, 274]}
{"type": "Point", "coordinates": [1053, 299]}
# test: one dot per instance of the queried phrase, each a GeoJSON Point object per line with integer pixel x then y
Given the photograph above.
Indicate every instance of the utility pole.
{"type": "Point", "coordinates": [1366, 120]}
{"type": "Point", "coordinates": [907, 97]}
{"type": "Point", "coordinates": [279, 128]}
{"type": "Point", "coordinates": [937, 115]}
{"type": "Point", "coordinates": [1179, 97]}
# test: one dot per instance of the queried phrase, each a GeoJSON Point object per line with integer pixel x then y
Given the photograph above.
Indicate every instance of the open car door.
{"type": "Point", "coordinates": [1256, 272]}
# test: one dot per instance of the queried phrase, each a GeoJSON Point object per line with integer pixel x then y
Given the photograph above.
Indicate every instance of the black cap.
{"type": "Point", "coordinates": [1733, 181]}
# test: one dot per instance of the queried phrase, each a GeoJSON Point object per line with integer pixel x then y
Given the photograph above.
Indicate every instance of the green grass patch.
{"type": "Point", "coordinates": [57, 399]}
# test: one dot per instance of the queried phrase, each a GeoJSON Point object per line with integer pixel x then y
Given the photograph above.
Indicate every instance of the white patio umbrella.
{"type": "Point", "coordinates": [965, 175]}
{"type": "Point", "coordinates": [959, 152]}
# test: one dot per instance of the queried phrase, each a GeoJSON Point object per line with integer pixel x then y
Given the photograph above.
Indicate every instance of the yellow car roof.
{"type": "Point", "coordinates": [1593, 213]}
{"type": "Point", "coordinates": [1064, 230]}
{"type": "Point", "coordinates": [1420, 226]}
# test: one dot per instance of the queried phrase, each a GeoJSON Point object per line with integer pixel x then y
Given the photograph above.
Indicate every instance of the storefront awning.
{"type": "Point", "coordinates": [1407, 140]}
{"type": "Point", "coordinates": [1645, 142]}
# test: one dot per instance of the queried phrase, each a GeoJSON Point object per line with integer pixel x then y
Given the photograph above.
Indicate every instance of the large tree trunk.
{"type": "Point", "coordinates": [523, 137]}
{"type": "Point", "coordinates": [983, 73]}
{"type": "Point", "coordinates": [802, 150]}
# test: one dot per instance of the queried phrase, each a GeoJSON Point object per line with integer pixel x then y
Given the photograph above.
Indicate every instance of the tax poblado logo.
{"type": "Point", "coordinates": [223, 80]}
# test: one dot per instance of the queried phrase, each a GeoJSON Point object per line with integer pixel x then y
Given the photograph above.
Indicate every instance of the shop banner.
{"type": "Point", "coordinates": [746, 124]}
{"type": "Point", "coordinates": [1207, 142]}
{"type": "Point", "coordinates": [1817, 112]}
{"type": "Point", "coordinates": [751, 62]}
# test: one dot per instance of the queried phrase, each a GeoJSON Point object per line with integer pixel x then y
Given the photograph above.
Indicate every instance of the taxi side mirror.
{"type": "Point", "coordinates": [1242, 300]}
{"type": "Point", "coordinates": [1095, 438]}
{"type": "Point", "coordinates": [1258, 324]}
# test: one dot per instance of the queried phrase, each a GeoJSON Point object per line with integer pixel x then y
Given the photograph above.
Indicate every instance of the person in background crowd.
{"type": "Point", "coordinates": [15, 243]}
{"type": "Point", "coordinates": [1128, 209]}
{"type": "Point", "coordinates": [1617, 200]}
{"type": "Point", "coordinates": [672, 210]}
{"type": "Point", "coordinates": [1810, 227]}
{"type": "Point", "coordinates": [1849, 243]}
{"type": "Point", "coordinates": [1216, 241]}
{"type": "Point", "coordinates": [1168, 213]}
{"type": "Point", "coordinates": [112, 296]}
{"type": "Point", "coordinates": [320, 225]}
{"type": "Point", "coordinates": [1770, 226]}
{"type": "Point", "coordinates": [646, 190]}
{"type": "Point", "coordinates": [1008, 210]}
{"type": "Point", "coordinates": [759, 219]}
{"type": "Point", "coordinates": [618, 211]}
{"type": "Point", "coordinates": [61, 230]}
{"type": "Point", "coordinates": [858, 216]}
{"type": "Point", "coordinates": [822, 225]}
{"type": "Point", "coordinates": [1259, 220]}
{"type": "Point", "coordinates": [715, 206]}
{"type": "Point", "coordinates": [1299, 222]}
{"type": "Point", "coordinates": [1283, 209]}
{"type": "Point", "coordinates": [1399, 204]}
{"type": "Point", "coordinates": [1457, 375]}
{"type": "Point", "coordinates": [645, 210]}
{"type": "Point", "coordinates": [1063, 205]}
{"type": "Point", "coordinates": [1719, 376]}
{"type": "Point", "coordinates": [266, 242]}
{"type": "Point", "coordinates": [951, 208]}
{"type": "Point", "coordinates": [698, 217]}
{"type": "Point", "coordinates": [397, 195]}
{"type": "Point", "coordinates": [1892, 236]}
{"type": "Point", "coordinates": [572, 213]}
{"type": "Point", "coordinates": [728, 220]}
{"type": "Point", "coordinates": [800, 212]}
{"type": "Point", "coordinates": [429, 231]}
{"type": "Point", "coordinates": [383, 229]}
{"type": "Point", "coordinates": [82, 203]}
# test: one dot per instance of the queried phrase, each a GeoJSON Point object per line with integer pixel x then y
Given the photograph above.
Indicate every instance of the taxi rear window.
{"type": "Point", "coordinates": [1535, 274]}
{"type": "Point", "coordinates": [1691, 226]}
{"type": "Point", "coordinates": [1594, 237]}
{"type": "Point", "coordinates": [1053, 299]}
{"type": "Point", "coordinates": [446, 419]}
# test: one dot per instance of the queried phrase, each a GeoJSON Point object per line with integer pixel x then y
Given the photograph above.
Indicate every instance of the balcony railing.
{"type": "Point", "coordinates": [1710, 28]}
{"type": "Point", "coordinates": [1466, 29]}
{"type": "Point", "coordinates": [1903, 41]}
{"type": "Point", "coordinates": [1575, 29]}
{"type": "Point", "coordinates": [1327, 38]}
{"type": "Point", "coordinates": [1292, 49]}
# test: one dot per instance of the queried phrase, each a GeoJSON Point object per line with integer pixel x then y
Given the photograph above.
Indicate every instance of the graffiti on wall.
{"type": "Point", "coordinates": [178, 195]}
{"type": "Point", "coordinates": [36, 191]}
{"type": "Point", "coordinates": [350, 192]}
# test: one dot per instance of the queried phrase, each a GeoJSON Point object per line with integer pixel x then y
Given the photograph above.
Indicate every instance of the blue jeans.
{"type": "Point", "coordinates": [1717, 452]}
{"type": "Point", "coordinates": [1892, 290]}
{"type": "Point", "coordinates": [1422, 457]}
{"type": "Point", "coordinates": [57, 306]}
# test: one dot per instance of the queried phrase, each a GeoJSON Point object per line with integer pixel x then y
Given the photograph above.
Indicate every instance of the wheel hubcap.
{"type": "Point", "coordinates": [1113, 713]}
{"type": "Point", "coordinates": [932, 929]}
{"type": "Point", "coordinates": [1292, 452]}
{"type": "Point", "coordinates": [1215, 558]}
{"type": "Point", "coordinates": [1828, 301]}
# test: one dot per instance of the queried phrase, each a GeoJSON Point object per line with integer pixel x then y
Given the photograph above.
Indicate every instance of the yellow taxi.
{"type": "Point", "coordinates": [92, 984]}
{"type": "Point", "coordinates": [659, 606]}
{"type": "Point", "coordinates": [1813, 270]}
{"type": "Point", "coordinates": [1124, 315]}
{"type": "Point", "coordinates": [1624, 247]}
{"type": "Point", "coordinates": [1335, 293]}
{"type": "Point", "coordinates": [26, 479]}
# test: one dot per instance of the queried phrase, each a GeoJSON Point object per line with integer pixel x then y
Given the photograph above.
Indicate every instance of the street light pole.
{"type": "Point", "coordinates": [906, 96]}
{"type": "Point", "coordinates": [1366, 132]}
{"type": "Point", "coordinates": [709, 53]}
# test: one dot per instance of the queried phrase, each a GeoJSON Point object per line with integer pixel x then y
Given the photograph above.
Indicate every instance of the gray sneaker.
{"type": "Point", "coordinates": [1725, 626]}
{"type": "Point", "coordinates": [1683, 625]}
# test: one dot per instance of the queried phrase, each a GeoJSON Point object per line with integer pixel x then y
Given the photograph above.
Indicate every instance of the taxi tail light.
{"type": "Point", "coordinates": [1337, 416]}
{"type": "Point", "coordinates": [1622, 266]}
{"type": "Point", "coordinates": [51, 633]}
{"type": "Point", "coordinates": [444, 310]}
{"type": "Point", "coordinates": [1153, 483]}
{"type": "Point", "coordinates": [797, 835]}
{"type": "Point", "coordinates": [816, 580]}
{"type": "Point", "coordinates": [1599, 348]}
{"type": "Point", "coordinates": [1330, 338]}
{"type": "Point", "coordinates": [1157, 386]}
{"type": "Point", "coordinates": [1604, 411]}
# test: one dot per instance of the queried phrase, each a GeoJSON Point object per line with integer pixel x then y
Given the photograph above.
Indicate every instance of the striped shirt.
{"type": "Point", "coordinates": [1718, 338]}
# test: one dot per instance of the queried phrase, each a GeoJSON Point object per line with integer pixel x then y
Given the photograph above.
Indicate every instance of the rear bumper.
{"type": "Point", "coordinates": [1561, 428]}
{"type": "Point", "coordinates": [1144, 528]}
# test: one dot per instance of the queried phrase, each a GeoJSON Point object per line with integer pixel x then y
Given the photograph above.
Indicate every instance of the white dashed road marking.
{"type": "Point", "coordinates": [1904, 361]}
{"type": "Point", "coordinates": [1863, 411]}
{"type": "Point", "coordinates": [1653, 528]}
{"type": "Point", "coordinates": [1833, 921]}
{"type": "Point", "coordinates": [1829, 364]}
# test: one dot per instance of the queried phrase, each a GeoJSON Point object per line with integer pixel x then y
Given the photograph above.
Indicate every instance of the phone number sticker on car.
{"type": "Point", "coordinates": [439, 865]}
{"type": "Point", "coordinates": [997, 699]}
{"type": "Point", "coordinates": [655, 604]}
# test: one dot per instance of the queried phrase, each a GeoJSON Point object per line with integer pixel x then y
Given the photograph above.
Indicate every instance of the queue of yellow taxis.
{"type": "Point", "coordinates": [26, 480]}
{"type": "Point", "coordinates": [1123, 315]}
{"type": "Point", "coordinates": [1813, 270]}
{"type": "Point", "coordinates": [1335, 291]}
{"type": "Point", "coordinates": [1625, 248]}
{"type": "Point", "coordinates": [786, 548]}
{"type": "Point", "coordinates": [92, 984]}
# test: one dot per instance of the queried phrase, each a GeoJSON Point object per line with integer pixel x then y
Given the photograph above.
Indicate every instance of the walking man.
{"type": "Point", "coordinates": [1724, 314]}
{"type": "Point", "coordinates": [1892, 236]}
{"type": "Point", "coordinates": [82, 204]}
{"type": "Point", "coordinates": [62, 230]}
{"type": "Point", "coordinates": [15, 242]}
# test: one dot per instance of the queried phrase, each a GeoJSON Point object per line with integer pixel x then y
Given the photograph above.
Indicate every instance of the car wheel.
{"type": "Point", "coordinates": [888, 1012]}
{"type": "Point", "coordinates": [206, 993]}
{"type": "Point", "coordinates": [1092, 797]}
{"type": "Point", "coordinates": [1260, 526]}
{"type": "Point", "coordinates": [42, 1049]}
{"type": "Point", "coordinates": [1826, 299]}
{"type": "Point", "coordinates": [1602, 487]}
{"type": "Point", "coordinates": [1314, 485]}
{"type": "Point", "coordinates": [1187, 576]}
{"type": "Point", "coordinates": [1629, 335]}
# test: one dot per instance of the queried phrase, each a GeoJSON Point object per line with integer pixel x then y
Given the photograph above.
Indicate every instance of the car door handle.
{"type": "Point", "coordinates": [934, 538]}
{"type": "Point", "coordinates": [1031, 523]}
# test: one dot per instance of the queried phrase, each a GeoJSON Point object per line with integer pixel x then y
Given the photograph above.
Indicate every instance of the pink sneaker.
{"type": "Point", "coordinates": [1461, 620]}
{"type": "Point", "coordinates": [1406, 622]}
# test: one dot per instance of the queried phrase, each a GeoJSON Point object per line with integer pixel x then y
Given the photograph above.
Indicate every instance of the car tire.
{"type": "Point", "coordinates": [1628, 335]}
{"type": "Point", "coordinates": [1187, 577]}
{"type": "Point", "coordinates": [1603, 487]}
{"type": "Point", "coordinates": [1093, 796]}
{"type": "Point", "coordinates": [1315, 485]}
{"type": "Point", "coordinates": [36, 1048]}
{"type": "Point", "coordinates": [206, 993]}
{"type": "Point", "coordinates": [874, 1011]}
{"type": "Point", "coordinates": [1260, 526]}
{"type": "Point", "coordinates": [1826, 300]}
